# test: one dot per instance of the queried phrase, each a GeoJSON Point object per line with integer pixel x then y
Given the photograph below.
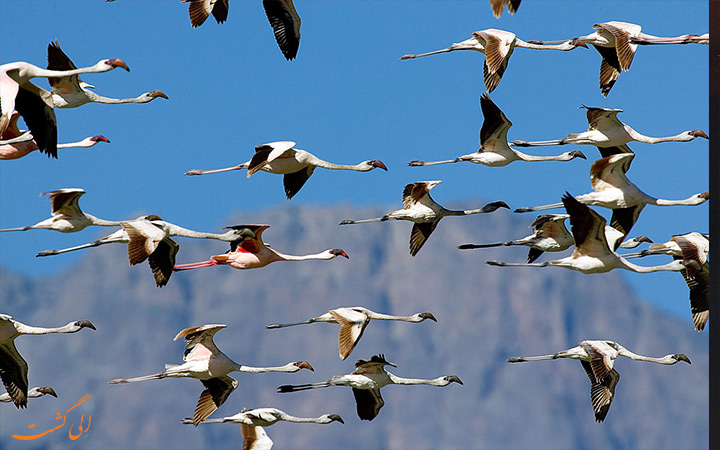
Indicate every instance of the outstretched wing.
{"type": "Point", "coordinates": [285, 23]}
{"type": "Point", "coordinates": [419, 234]}
{"type": "Point", "coordinates": [13, 371]}
{"type": "Point", "coordinates": [216, 392]}
{"type": "Point", "coordinates": [368, 403]}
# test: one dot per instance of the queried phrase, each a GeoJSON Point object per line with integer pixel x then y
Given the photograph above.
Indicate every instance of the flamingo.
{"type": "Point", "coordinates": [71, 92]}
{"type": "Point", "coordinates": [497, 45]}
{"type": "Point", "coordinates": [494, 149]}
{"type": "Point", "coordinates": [592, 253]}
{"type": "Point", "coordinates": [66, 215]}
{"type": "Point", "coordinates": [32, 393]}
{"type": "Point", "coordinates": [499, 5]}
{"type": "Point", "coordinates": [366, 381]}
{"type": "Point", "coordinates": [13, 368]}
{"type": "Point", "coordinates": [551, 235]}
{"type": "Point", "coordinates": [17, 143]}
{"type": "Point", "coordinates": [692, 248]}
{"type": "Point", "coordinates": [421, 209]}
{"type": "Point", "coordinates": [295, 165]}
{"type": "Point", "coordinates": [252, 423]}
{"type": "Point", "coordinates": [281, 14]}
{"type": "Point", "coordinates": [252, 253]}
{"type": "Point", "coordinates": [609, 135]}
{"type": "Point", "coordinates": [353, 321]}
{"type": "Point", "coordinates": [205, 362]}
{"type": "Point", "coordinates": [613, 190]}
{"type": "Point", "coordinates": [616, 42]}
{"type": "Point", "coordinates": [35, 104]}
{"type": "Point", "coordinates": [597, 358]}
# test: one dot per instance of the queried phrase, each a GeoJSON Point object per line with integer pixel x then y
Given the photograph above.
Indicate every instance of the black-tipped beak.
{"type": "Point", "coordinates": [100, 138]}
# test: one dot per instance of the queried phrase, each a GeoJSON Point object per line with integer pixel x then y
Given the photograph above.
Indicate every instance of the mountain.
{"type": "Point", "coordinates": [485, 315]}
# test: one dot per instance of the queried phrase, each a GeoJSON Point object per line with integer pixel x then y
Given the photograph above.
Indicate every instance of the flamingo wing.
{"type": "Point", "coordinates": [285, 23]}
{"type": "Point", "coordinates": [255, 438]}
{"type": "Point", "coordinates": [58, 60]}
{"type": "Point", "coordinates": [588, 227]}
{"type": "Point", "coordinates": [292, 182]}
{"type": "Point", "coordinates": [495, 124]}
{"type": "Point", "coordinates": [368, 403]}
{"type": "Point", "coordinates": [217, 390]}
{"type": "Point", "coordinates": [602, 393]}
{"type": "Point", "coordinates": [13, 371]}
{"type": "Point", "coordinates": [352, 326]}
{"type": "Point", "coordinates": [35, 106]}
{"type": "Point", "coordinates": [419, 234]}
{"type": "Point", "coordinates": [64, 202]}
{"type": "Point", "coordinates": [220, 10]}
{"type": "Point", "coordinates": [162, 261]}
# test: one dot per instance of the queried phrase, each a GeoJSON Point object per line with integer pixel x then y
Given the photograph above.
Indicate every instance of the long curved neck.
{"type": "Point", "coordinates": [667, 360]}
{"type": "Point", "coordinates": [176, 230]}
{"type": "Point", "coordinates": [682, 137]}
{"type": "Point", "coordinates": [83, 143]}
{"type": "Point", "coordinates": [408, 381]}
{"type": "Point", "coordinates": [526, 157]}
{"type": "Point", "coordinates": [102, 222]}
{"type": "Point", "coordinates": [328, 165]}
{"type": "Point", "coordinates": [378, 316]}
{"type": "Point", "coordinates": [465, 212]}
{"type": "Point", "coordinates": [288, 418]}
{"type": "Point", "coordinates": [675, 266]}
{"type": "Point", "coordinates": [690, 201]}
{"type": "Point", "coordinates": [27, 329]}
{"type": "Point", "coordinates": [284, 257]}
{"type": "Point", "coordinates": [100, 99]}
{"type": "Point", "coordinates": [25, 73]}
{"type": "Point", "coordinates": [250, 369]}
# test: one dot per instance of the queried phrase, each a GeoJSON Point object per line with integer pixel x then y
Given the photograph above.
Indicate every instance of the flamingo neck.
{"type": "Point", "coordinates": [27, 329]}
{"type": "Point", "coordinates": [250, 369]}
{"type": "Point", "coordinates": [100, 99]}
{"type": "Point", "coordinates": [675, 266]}
{"type": "Point", "coordinates": [410, 381]}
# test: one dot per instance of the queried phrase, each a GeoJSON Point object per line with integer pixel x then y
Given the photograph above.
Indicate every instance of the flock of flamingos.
{"type": "Point", "coordinates": [151, 238]}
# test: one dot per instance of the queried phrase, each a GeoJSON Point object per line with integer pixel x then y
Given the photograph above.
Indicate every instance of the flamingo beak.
{"type": "Point", "coordinates": [305, 365]}
{"type": "Point", "coordinates": [339, 252]}
{"type": "Point", "coordinates": [157, 94]}
{"type": "Point", "coordinates": [117, 62]}
{"type": "Point", "coordinates": [99, 138]}
{"type": "Point", "coordinates": [379, 164]}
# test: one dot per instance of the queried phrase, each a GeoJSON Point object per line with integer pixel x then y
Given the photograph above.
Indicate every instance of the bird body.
{"type": "Point", "coordinates": [13, 368]}
{"type": "Point", "coordinates": [494, 148]}
{"type": "Point", "coordinates": [367, 380]}
{"type": "Point", "coordinates": [66, 215]}
{"type": "Point", "coordinates": [421, 209]}
{"type": "Point", "coordinates": [597, 358]}
{"type": "Point", "coordinates": [353, 321]}
{"type": "Point", "coordinates": [296, 165]}
{"type": "Point", "coordinates": [252, 253]}
{"type": "Point", "coordinates": [498, 46]}
{"type": "Point", "coordinates": [609, 135]}
{"type": "Point", "coordinates": [205, 362]}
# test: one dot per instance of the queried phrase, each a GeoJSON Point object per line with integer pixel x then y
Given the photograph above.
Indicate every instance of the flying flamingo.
{"type": "Point", "coordinates": [353, 321]}
{"type": "Point", "coordinates": [366, 381]}
{"type": "Point", "coordinates": [35, 104]}
{"type": "Point", "coordinates": [67, 217]}
{"type": "Point", "coordinates": [281, 14]}
{"type": "Point", "coordinates": [295, 165]}
{"type": "Point", "coordinates": [616, 42]}
{"type": "Point", "coordinates": [421, 209]}
{"type": "Point", "coordinates": [610, 135]}
{"type": "Point", "coordinates": [613, 190]}
{"type": "Point", "coordinates": [252, 253]}
{"type": "Point", "coordinates": [32, 393]}
{"type": "Point", "coordinates": [592, 253]}
{"type": "Point", "coordinates": [494, 149]}
{"type": "Point", "coordinates": [597, 358]}
{"type": "Point", "coordinates": [497, 45]}
{"type": "Point", "coordinates": [692, 248]}
{"type": "Point", "coordinates": [551, 235]}
{"type": "Point", "coordinates": [13, 368]}
{"type": "Point", "coordinates": [252, 423]}
{"type": "Point", "coordinates": [499, 5]}
{"type": "Point", "coordinates": [17, 143]}
{"type": "Point", "coordinates": [205, 362]}
{"type": "Point", "coordinates": [71, 92]}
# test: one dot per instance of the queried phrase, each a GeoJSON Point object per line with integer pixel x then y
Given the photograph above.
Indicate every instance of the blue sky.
{"type": "Point", "coordinates": [347, 98]}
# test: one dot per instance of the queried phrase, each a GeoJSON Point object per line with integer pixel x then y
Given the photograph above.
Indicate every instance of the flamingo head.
{"type": "Point", "coordinates": [375, 164]}
{"type": "Point", "coordinates": [681, 357]}
{"type": "Point", "coordinates": [495, 205]}
{"type": "Point", "coordinates": [114, 63]}
{"type": "Point", "coordinates": [427, 315]}
{"type": "Point", "coordinates": [99, 138]}
{"type": "Point", "coordinates": [304, 365]}
{"type": "Point", "coordinates": [152, 95]}
{"type": "Point", "coordinates": [334, 418]}
{"type": "Point", "coordinates": [453, 379]}
{"type": "Point", "coordinates": [47, 390]}
{"type": "Point", "coordinates": [577, 42]}
{"type": "Point", "coordinates": [84, 324]}
{"type": "Point", "coordinates": [698, 133]}
{"type": "Point", "coordinates": [338, 252]}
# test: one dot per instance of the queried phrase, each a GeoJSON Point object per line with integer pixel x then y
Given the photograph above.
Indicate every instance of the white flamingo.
{"type": "Point", "coordinates": [497, 45]}
{"type": "Point", "coordinates": [35, 104]}
{"type": "Point", "coordinates": [295, 165]}
{"type": "Point", "coordinates": [421, 209]}
{"type": "Point", "coordinates": [66, 215]}
{"type": "Point", "coordinates": [252, 253]}
{"type": "Point", "coordinates": [17, 143]}
{"type": "Point", "coordinates": [13, 368]}
{"type": "Point", "coordinates": [592, 253]}
{"type": "Point", "coordinates": [71, 92]}
{"type": "Point", "coordinates": [352, 321]}
{"type": "Point", "coordinates": [252, 423]}
{"type": "Point", "coordinates": [616, 42]}
{"type": "Point", "coordinates": [494, 149]}
{"type": "Point", "coordinates": [33, 392]}
{"type": "Point", "coordinates": [205, 362]}
{"type": "Point", "coordinates": [597, 358]}
{"type": "Point", "coordinates": [609, 135]}
{"type": "Point", "coordinates": [367, 380]}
